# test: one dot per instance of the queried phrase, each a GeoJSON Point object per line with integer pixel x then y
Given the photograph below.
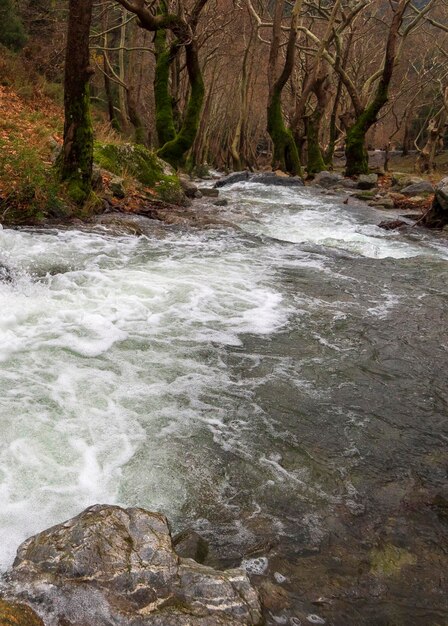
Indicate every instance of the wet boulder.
{"type": "Point", "coordinates": [367, 181]}
{"type": "Point", "coordinates": [271, 178]}
{"type": "Point", "coordinates": [262, 178]}
{"type": "Point", "coordinates": [113, 565]}
{"type": "Point", "coordinates": [190, 189]}
{"type": "Point", "coordinates": [392, 224]}
{"type": "Point", "coordinates": [327, 180]}
{"type": "Point", "coordinates": [209, 192]}
{"type": "Point", "coordinates": [235, 177]}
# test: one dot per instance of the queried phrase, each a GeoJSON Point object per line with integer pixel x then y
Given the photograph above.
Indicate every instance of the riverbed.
{"type": "Point", "coordinates": [280, 386]}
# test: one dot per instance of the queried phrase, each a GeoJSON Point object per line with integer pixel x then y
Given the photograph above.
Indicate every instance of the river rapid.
{"type": "Point", "coordinates": [280, 386]}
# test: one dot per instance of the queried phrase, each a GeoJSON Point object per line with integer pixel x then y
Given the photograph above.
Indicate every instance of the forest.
{"type": "Point", "coordinates": [223, 321]}
{"type": "Point", "coordinates": [237, 85]}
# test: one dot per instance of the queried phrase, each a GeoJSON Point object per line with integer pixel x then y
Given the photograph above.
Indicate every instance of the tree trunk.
{"type": "Point", "coordinates": [122, 91]}
{"type": "Point", "coordinates": [76, 160]}
{"type": "Point", "coordinates": [285, 154]}
{"type": "Point", "coordinates": [175, 150]}
{"type": "Point", "coordinates": [357, 158]}
{"type": "Point", "coordinates": [425, 159]}
{"type": "Point", "coordinates": [316, 161]}
{"type": "Point", "coordinates": [163, 101]}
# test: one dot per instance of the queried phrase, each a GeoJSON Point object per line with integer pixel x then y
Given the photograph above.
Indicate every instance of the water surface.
{"type": "Point", "coordinates": [281, 387]}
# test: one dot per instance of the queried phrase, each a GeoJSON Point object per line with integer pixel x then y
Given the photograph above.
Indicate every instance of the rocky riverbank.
{"type": "Point", "coordinates": [119, 566]}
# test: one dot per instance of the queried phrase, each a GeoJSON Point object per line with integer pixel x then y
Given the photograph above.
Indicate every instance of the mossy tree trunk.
{"type": "Point", "coordinates": [165, 127]}
{"type": "Point", "coordinates": [76, 160]}
{"type": "Point", "coordinates": [285, 154]}
{"type": "Point", "coordinates": [175, 145]}
{"type": "Point", "coordinates": [357, 158]}
{"type": "Point", "coordinates": [315, 160]}
{"type": "Point", "coordinates": [174, 151]}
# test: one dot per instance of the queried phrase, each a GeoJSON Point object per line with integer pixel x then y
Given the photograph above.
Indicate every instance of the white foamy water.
{"type": "Point", "coordinates": [105, 354]}
{"type": "Point", "coordinates": [301, 215]}
{"type": "Point", "coordinates": [114, 382]}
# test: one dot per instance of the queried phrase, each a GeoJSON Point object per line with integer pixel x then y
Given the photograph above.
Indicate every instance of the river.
{"type": "Point", "coordinates": [281, 387]}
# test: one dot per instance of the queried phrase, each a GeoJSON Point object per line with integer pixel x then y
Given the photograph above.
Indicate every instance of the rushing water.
{"type": "Point", "coordinates": [282, 387]}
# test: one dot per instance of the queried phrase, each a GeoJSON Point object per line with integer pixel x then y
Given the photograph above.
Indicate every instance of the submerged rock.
{"type": "Point", "coordinates": [392, 224]}
{"type": "Point", "coordinates": [129, 224]}
{"type": "Point", "coordinates": [5, 274]}
{"type": "Point", "coordinates": [113, 565]}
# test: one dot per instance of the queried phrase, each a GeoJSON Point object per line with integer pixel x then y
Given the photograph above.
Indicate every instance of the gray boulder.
{"type": "Point", "coordinates": [263, 178]}
{"type": "Point", "coordinates": [209, 192]}
{"type": "Point", "coordinates": [327, 180]}
{"type": "Point", "coordinates": [417, 189]}
{"type": "Point", "coordinates": [118, 566]}
{"type": "Point", "coordinates": [402, 179]}
{"type": "Point", "coordinates": [190, 189]}
{"type": "Point", "coordinates": [271, 178]}
{"type": "Point", "coordinates": [235, 177]}
{"type": "Point", "coordinates": [367, 181]}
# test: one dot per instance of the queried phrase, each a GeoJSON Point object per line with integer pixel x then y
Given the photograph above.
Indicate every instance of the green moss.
{"type": "Point", "coordinates": [75, 164]}
{"type": "Point", "coordinates": [388, 560]}
{"type": "Point", "coordinates": [133, 160]}
{"type": "Point", "coordinates": [142, 164]}
{"type": "Point", "coordinates": [365, 195]}
{"type": "Point", "coordinates": [286, 155]}
{"type": "Point", "coordinates": [170, 190]}
{"type": "Point", "coordinates": [357, 157]}
{"type": "Point", "coordinates": [174, 151]}
{"type": "Point", "coordinates": [36, 194]}
{"type": "Point", "coordinates": [315, 161]}
{"type": "Point", "coordinates": [164, 110]}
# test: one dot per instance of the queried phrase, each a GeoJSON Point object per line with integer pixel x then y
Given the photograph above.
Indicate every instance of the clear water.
{"type": "Point", "coordinates": [282, 387]}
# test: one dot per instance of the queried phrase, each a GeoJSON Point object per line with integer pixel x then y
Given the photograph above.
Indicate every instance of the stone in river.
{"type": "Point", "coordinates": [113, 565]}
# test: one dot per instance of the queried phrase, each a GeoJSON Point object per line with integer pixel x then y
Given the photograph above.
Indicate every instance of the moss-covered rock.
{"type": "Point", "coordinates": [133, 160]}
{"type": "Point", "coordinates": [143, 165]}
{"type": "Point", "coordinates": [12, 614]}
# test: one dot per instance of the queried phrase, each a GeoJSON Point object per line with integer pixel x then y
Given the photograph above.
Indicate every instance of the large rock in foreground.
{"type": "Point", "coordinates": [117, 566]}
